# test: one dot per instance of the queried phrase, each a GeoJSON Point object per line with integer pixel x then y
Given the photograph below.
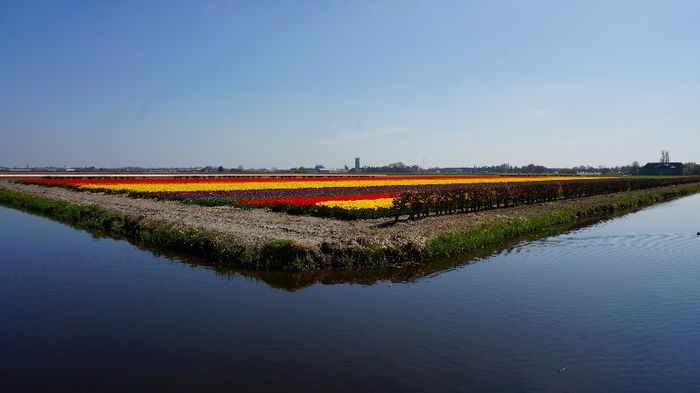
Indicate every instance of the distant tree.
{"type": "Point", "coordinates": [665, 156]}
{"type": "Point", "coordinates": [635, 168]}
{"type": "Point", "coordinates": [568, 171]}
{"type": "Point", "coordinates": [690, 168]}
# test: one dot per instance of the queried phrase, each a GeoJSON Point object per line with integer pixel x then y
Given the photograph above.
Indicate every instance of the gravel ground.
{"type": "Point", "coordinates": [254, 227]}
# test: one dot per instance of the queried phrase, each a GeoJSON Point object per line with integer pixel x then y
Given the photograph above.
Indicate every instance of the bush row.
{"type": "Point", "coordinates": [478, 197]}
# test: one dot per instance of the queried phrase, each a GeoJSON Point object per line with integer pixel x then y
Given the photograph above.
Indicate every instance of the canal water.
{"type": "Point", "coordinates": [611, 307]}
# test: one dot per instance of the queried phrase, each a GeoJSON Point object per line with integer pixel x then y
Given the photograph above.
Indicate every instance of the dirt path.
{"type": "Point", "coordinates": [254, 227]}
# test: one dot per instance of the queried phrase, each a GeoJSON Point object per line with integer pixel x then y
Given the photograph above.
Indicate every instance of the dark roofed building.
{"type": "Point", "coordinates": [662, 169]}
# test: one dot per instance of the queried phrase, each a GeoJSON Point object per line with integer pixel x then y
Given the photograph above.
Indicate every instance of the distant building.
{"type": "Point", "coordinates": [662, 169]}
{"type": "Point", "coordinates": [357, 163]}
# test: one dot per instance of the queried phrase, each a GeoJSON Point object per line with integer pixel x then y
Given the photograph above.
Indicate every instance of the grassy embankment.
{"type": "Point", "coordinates": [454, 243]}
{"type": "Point", "coordinates": [280, 254]}
{"type": "Point", "coordinates": [288, 255]}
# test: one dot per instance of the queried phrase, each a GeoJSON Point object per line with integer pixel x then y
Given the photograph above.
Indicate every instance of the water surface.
{"type": "Point", "coordinates": [612, 307]}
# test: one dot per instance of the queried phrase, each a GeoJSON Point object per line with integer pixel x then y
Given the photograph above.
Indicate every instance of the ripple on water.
{"type": "Point", "coordinates": [663, 244]}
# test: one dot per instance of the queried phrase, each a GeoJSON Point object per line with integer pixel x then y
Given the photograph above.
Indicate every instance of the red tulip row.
{"type": "Point", "coordinates": [190, 180]}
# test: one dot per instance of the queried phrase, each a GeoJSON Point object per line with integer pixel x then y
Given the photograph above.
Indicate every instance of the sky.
{"type": "Point", "coordinates": [290, 83]}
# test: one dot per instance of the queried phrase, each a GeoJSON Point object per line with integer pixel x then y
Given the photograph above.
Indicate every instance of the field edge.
{"type": "Point", "coordinates": [284, 254]}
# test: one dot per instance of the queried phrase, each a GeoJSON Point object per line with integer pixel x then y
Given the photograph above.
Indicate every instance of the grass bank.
{"type": "Point", "coordinates": [218, 248]}
{"type": "Point", "coordinates": [476, 237]}
{"type": "Point", "coordinates": [281, 254]}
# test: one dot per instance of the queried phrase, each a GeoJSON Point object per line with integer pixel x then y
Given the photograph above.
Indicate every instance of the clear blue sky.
{"type": "Point", "coordinates": [282, 83]}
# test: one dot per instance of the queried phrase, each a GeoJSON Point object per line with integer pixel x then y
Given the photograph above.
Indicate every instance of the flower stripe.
{"type": "Point", "coordinates": [312, 200]}
{"type": "Point", "coordinates": [298, 184]}
{"type": "Point", "coordinates": [379, 203]}
{"type": "Point", "coordinates": [278, 179]}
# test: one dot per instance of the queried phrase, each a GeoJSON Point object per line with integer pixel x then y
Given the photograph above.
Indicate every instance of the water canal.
{"type": "Point", "coordinates": [610, 307]}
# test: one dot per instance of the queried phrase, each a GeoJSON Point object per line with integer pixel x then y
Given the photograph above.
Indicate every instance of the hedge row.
{"type": "Point", "coordinates": [478, 197]}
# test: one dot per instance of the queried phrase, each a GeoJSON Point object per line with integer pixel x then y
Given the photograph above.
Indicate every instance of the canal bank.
{"type": "Point", "coordinates": [264, 240]}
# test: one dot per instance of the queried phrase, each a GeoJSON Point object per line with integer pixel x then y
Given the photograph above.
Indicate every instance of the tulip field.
{"type": "Point", "coordinates": [360, 192]}
{"type": "Point", "coordinates": [362, 196]}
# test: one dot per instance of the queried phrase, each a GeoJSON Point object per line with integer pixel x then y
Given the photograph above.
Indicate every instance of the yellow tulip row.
{"type": "Point", "coordinates": [360, 204]}
{"type": "Point", "coordinates": [266, 185]}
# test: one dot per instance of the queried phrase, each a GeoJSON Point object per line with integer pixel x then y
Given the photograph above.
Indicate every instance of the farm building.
{"type": "Point", "coordinates": [662, 169]}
